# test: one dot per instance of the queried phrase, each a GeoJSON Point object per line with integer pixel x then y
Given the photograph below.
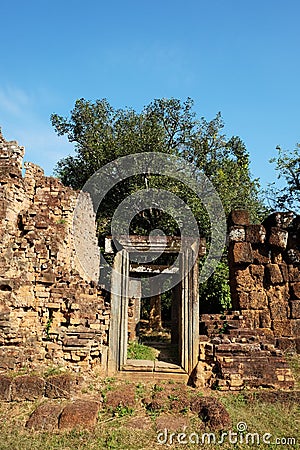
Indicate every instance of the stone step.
{"type": "Point", "coordinates": [138, 365]}
{"type": "Point", "coordinates": [142, 365]}
{"type": "Point", "coordinates": [152, 376]}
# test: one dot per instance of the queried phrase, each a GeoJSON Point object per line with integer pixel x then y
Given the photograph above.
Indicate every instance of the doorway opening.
{"type": "Point", "coordinates": [166, 319]}
{"type": "Point", "coordinates": [156, 332]}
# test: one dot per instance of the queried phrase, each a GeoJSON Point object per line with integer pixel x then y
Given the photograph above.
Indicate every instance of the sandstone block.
{"type": "Point", "coordinates": [8, 360]}
{"type": "Point", "coordinates": [295, 327]}
{"type": "Point", "coordinates": [41, 224]}
{"type": "Point", "coordinates": [261, 254]}
{"type": "Point", "coordinates": [284, 272]}
{"type": "Point", "coordinates": [279, 219]}
{"type": "Point", "coordinates": [278, 238]}
{"type": "Point", "coordinates": [293, 240]}
{"type": "Point", "coordinates": [295, 309]}
{"type": "Point", "coordinates": [52, 305]}
{"type": "Point", "coordinates": [5, 388]}
{"type": "Point", "coordinates": [252, 319]}
{"type": "Point", "coordinates": [79, 414]}
{"type": "Point", "coordinates": [276, 256]}
{"type": "Point", "coordinates": [242, 253]}
{"type": "Point", "coordinates": [164, 421]}
{"type": "Point", "coordinates": [265, 319]}
{"type": "Point", "coordinates": [257, 272]}
{"type": "Point", "coordinates": [295, 290]}
{"type": "Point", "coordinates": [212, 412]}
{"type": "Point", "coordinates": [239, 217]}
{"type": "Point", "coordinates": [282, 327]}
{"type": "Point", "coordinates": [293, 256]}
{"type": "Point", "coordinates": [44, 418]}
{"type": "Point", "coordinates": [58, 386]}
{"type": "Point", "coordinates": [286, 343]}
{"type": "Point", "coordinates": [294, 273]}
{"type": "Point", "coordinates": [284, 374]}
{"type": "Point", "coordinates": [278, 310]}
{"type": "Point", "coordinates": [241, 300]}
{"type": "Point", "coordinates": [75, 342]}
{"type": "Point", "coordinates": [274, 275]}
{"type": "Point", "coordinates": [278, 293]}
{"type": "Point", "coordinates": [255, 234]}
{"type": "Point", "coordinates": [243, 279]}
{"type": "Point", "coordinates": [236, 234]}
{"type": "Point", "coordinates": [257, 300]}
{"type": "Point", "coordinates": [124, 396]}
{"type": "Point", "coordinates": [47, 278]}
{"type": "Point", "coordinates": [27, 387]}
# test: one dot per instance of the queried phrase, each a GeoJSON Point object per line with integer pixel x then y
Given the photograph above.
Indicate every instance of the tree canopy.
{"type": "Point", "coordinates": [287, 165]}
{"type": "Point", "coordinates": [102, 134]}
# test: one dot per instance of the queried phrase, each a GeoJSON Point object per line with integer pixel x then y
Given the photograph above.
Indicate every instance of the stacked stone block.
{"type": "Point", "coordinates": [239, 356]}
{"type": "Point", "coordinates": [264, 272]}
{"type": "Point", "coordinates": [52, 310]}
{"type": "Point", "coordinates": [245, 345]}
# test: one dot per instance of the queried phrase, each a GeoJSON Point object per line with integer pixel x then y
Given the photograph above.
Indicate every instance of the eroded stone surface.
{"type": "Point", "coordinates": [79, 414]}
{"type": "Point", "coordinates": [27, 387]}
{"type": "Point", "coordinates": [58, 386]}
{"type": "Point", "coordinates": [5, 388]}
{"type": "Point", "coordinates": [212, 412]}
{"type": "Point", "coordinates": [45, 418]}
{"type": "Point", "coordinates": [52, 313]}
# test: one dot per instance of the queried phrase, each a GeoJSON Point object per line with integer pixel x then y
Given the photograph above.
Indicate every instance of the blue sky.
{"type": "Point", "coordinates": [235, 56]}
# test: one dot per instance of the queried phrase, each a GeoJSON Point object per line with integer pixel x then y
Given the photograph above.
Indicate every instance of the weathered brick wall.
{"type": "Point", "coordinates": [52, 311]}
{"type": "Point", "coordinates": [265, 276]}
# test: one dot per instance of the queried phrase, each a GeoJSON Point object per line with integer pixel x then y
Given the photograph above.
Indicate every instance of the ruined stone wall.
{"type": "Point", "coordinates": [52, 311]}
{"type": "Point", "coordinates": [265, 274]}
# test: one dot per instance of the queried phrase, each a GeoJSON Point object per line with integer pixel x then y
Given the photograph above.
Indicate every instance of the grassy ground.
{"type": "Point", "coordinates": [126, 432]}
{"type": "Point", "coordinates": [140, 351]}
{"type": "Point", "coordinates": [154, 345]}
{"type": "Point", "coordinates": [136, 428]}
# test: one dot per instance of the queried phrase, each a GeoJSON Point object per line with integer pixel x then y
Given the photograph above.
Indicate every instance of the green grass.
{"type": "Point", "coordinates": [280, 420]}
{"type": "Point", "coordinates": [140, 351]}
{"type": "Point", "coordinates": [294, 363]}
{"type": "Point", "coordinates": [113, 430]}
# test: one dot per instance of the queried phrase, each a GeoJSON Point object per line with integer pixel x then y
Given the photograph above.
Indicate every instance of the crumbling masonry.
{"type": "Point", "coordinates": [52, 314]}
{"type": "Point", "coordinates": [264, 262]}
{"type": "Point", "coordinates": [245, 345]}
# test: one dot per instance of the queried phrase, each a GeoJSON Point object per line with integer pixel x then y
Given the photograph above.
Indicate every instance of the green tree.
{"type": "Point", "coordinates": [215, 292]}
{"type": "Point", "coordinates": [287, 165]}
{"type": "Point", "coordinates": [101, 134]}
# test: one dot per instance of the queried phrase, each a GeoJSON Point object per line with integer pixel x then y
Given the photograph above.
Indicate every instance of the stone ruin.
{"type": "Point", "coordinates": [54, 314]}
{"type": "Point", "coordinates": [264, 269]}
{"type": "Point", "coordinates": [50, 313]}
{"type": "Point", "coordinates": [264, 263]}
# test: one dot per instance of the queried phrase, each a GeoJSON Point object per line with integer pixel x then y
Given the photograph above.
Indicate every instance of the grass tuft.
{"type": "Point", "coordinates": [140, 351]}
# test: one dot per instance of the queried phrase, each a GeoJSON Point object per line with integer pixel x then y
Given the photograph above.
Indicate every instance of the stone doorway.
{"type": "Point", "coordinates": [153, 322]}
{"type": "Point", "coordinates": [126, 296]}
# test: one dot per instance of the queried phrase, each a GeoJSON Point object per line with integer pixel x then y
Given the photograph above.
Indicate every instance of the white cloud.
{"type": "Point", "coordinates": [13, 101]}
{"type": "Point", "coordinates": [25, 117]}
